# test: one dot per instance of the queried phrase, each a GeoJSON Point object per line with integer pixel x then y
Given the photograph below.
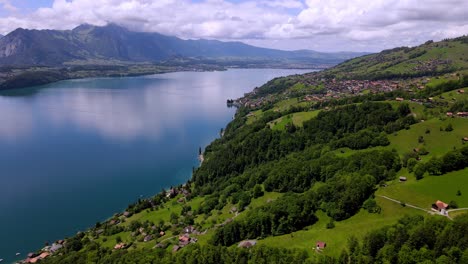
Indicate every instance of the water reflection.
{"type": "Point", "coordinates": [15, 120]}
{"type": "Point", "coordinates": [121, 109]}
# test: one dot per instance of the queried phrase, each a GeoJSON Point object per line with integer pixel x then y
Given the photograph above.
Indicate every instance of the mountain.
{"type": "Point", "coordinates": [430, 58]}
{"type": "Point", "coordinates": [93, 44]}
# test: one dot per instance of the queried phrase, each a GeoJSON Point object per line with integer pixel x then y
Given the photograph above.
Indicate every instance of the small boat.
{"type": "Point", "coordinates": [17, 254]}
{"type": "Point", "coordinates": [1, 260]}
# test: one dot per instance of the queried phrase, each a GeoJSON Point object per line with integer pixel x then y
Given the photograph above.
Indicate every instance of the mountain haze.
{"type": "Point", "coordinates": [93, 44]}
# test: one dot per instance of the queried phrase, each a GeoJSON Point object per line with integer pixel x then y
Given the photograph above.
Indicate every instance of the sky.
{"type": "Point", "coordinates": [322, 25]}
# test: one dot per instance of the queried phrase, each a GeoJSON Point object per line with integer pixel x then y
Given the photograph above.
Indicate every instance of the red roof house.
{"type": "Point", "coordinates": [439, 205]}
{"type": "Point", "coordinates": [320, 245]}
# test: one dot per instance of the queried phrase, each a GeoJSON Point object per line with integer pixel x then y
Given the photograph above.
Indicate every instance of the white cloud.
{"type": "Point", "coordinates": [7, 5]}
{"type": "Point", "coordinates": [327, 25]}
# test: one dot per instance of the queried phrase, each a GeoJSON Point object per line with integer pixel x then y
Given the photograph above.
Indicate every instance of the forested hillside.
{"type": "Point", "coordinates": [319, 169]}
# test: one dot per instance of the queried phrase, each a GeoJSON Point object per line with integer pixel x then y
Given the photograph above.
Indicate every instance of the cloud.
{"type": "Point", "coordinates": [327, 25]}
{"type": "Point", "coordinates": [7, 5]}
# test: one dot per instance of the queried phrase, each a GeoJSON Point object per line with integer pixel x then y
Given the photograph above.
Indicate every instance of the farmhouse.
{"type": "Point", "coordinates": [119, 246]}
{"type": "Point", "coordinates": [184, 240]}
{"type": "Point", "coordinates": [440, 207]}
{"type": "Point", "coordinates": [247, 243]}
{"type": "Point", "coordinates": [320, 245]}
{"type": "Point", "coordinates": [402, 179]}
{"type": "Point", "coordinates": [175, 248]}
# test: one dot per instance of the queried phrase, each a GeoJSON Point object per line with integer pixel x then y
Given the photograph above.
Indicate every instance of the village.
{"type": "Point", "coordinates": [318, 89]}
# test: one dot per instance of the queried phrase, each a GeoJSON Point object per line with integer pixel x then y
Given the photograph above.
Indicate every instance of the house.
{"type": "Point", "coordinates": [119, 246]}
{"type": "Point", "coordinates": [440, 207]}
{"type": "Point", "coordinates": [162, 233]}
{"type": "Point", "coordinates": [172, 193]}
{"type": "Point", "coordinates": [461, 91]}
{"type": "Point", "coordinates": [184, 240]}
{"type": "Point", "coordinates": [55, 247]}
{"type": "Point", "coordinates": [126, 214]}
{"type": "Point", "coordinates": [320, 245]}
{"type": "Point", "coordinates": [175, 248]}
{"type": "Point", "coordinates": [148, 238]}
{"type": "Point", "coordinates": [399, 99]}
{"type": "Point", "coordinates": [465, 139]}
{"type": "Point", "coordinates": [402, 179]}
{"type": "Point", "coordinates": [449, 114]}
{"type": "Point", "coordinates": [462, 114]}
{"type": "Point", "coordinates": [247, 243]}
{"type": "Point", "coordinates": [161, 245]}
{"type": "Point", "coordinates": [189, 229]}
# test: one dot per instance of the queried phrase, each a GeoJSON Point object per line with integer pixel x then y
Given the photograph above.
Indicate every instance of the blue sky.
{"type": "Point", "coordinates": [324, 25]}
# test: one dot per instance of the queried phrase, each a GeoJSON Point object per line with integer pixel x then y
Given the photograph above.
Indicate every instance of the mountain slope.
{"type": "Point", "coordinates": [430, 58]}
{"type": "Point", "coordinates": [112, 42]}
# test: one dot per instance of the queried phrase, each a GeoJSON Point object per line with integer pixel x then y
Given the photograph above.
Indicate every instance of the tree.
{"type": "Point", "coordinates": [420, 139]}
{"type": "Point", "coordinates": [257, 191]}
{"type": "Point", "coordinates": [371, 206]}
{"type": "Point", "coordinates": [453, 204]}
{"type": "Point", "coordinates": [410, 164]}
{"type": "Point", "coordinates": [419, 171]}
{"type": "Point", "coordinates": [449, 128]}
{"type": "Point", "coordinates": [459, 193]}
{"type": "Point", "coordinates": [174, 218]}
{"type": "Point", "coordinates": [118, 239]}
{"type": "Point", "coordinates": [404, 109]}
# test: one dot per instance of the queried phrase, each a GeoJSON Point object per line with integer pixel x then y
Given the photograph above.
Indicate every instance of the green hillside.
{"type": "Point", "coordinates": [432, 58]}
{"type": "Point", "coordinates": [310, 158]}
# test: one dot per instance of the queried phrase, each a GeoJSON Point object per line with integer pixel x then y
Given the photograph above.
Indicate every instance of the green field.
{"type": "Point", "coordinates": [425, 192]}
{"type": "Point", "coordinates": [436, 142]}
{"type": "Point", "coordinates": [336, 238]}
{"type": "Point", "coordinates": [297, 119]}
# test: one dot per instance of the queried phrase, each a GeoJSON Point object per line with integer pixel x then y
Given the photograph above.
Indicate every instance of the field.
{"type": "Point", "coordinates": [337, 238]}
{"type": "Point", "coordinates": [297, 119]}
{"type": "Point", "coordinates": [437, 142]}
{"type": "Point", "coordinates": [425, 192]}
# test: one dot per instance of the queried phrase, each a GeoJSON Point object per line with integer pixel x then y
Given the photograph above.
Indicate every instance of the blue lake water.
{"type": "Point", "coordinates": [76, 152]}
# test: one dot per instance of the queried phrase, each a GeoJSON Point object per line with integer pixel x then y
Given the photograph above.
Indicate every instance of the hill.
{"type": "Point", "coordinates": [313, 169]}
{"type": "Point", "coordinates": [87, 44]}
{"type": "Point", "coordinates": [431, 58]}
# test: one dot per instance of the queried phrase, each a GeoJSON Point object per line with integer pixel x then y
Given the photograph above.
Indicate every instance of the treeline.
{"type": "Point", "coordinates": [412, 240]}
{"type": "Point", "coordinates": [256, 144]}
{"type": "Point", "coordinates": [454, 160]}
{"type": "Point", "coordinates": [285, 215]}
{"type": "Point", "coordinates": [192, 254]}
{"type": "Point", "coordinates": [34, 78]}
{"type": "Point", "coordinates": [445, 87]}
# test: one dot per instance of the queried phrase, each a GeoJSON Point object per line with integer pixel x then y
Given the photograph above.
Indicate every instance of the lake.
{"type": "Point", "coordinates": [75, 152]}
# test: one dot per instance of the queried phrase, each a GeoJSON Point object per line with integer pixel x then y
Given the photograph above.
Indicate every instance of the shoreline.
{"type": "Point", "coordinates": [37, 76]}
